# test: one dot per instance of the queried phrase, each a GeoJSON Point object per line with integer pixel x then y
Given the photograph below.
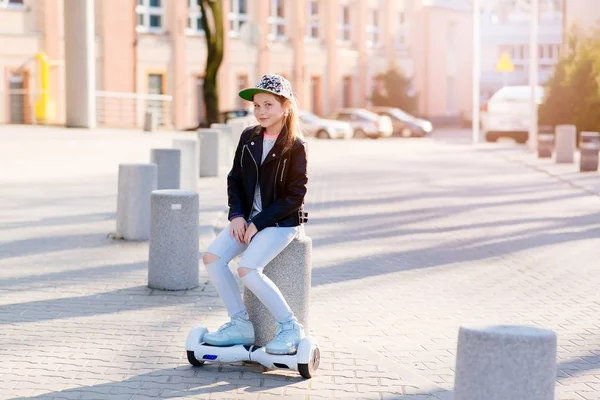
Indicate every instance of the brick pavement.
{"type": "Point", "coordinates": [412, 238]}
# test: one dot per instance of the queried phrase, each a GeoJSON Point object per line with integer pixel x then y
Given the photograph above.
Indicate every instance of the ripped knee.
{"type": "Point", "coordinates": [208, 258]}
{"type": "Point", "coordinates": [242, 271]}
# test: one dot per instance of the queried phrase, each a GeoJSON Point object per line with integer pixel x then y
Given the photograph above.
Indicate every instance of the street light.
{"type": "Point", "coordinates": [533, 72]}
{"type": "Point", "coordinates": [476, 69]}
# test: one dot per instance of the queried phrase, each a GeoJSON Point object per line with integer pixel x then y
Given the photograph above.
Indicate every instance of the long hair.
{"type": "Point", "coordinates": [291, 122]}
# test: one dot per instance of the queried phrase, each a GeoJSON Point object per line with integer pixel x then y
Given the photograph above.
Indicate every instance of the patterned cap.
{"type": "Point", "coordinates": [270, 83]}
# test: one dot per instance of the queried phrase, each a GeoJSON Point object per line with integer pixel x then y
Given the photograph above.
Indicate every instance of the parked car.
{"type": "Point", "coordinates": [405, 124]}
{"type": "Point", "coordinates": [313, 125]}
{"type": "Point", "coordinates": [365, 123]}
{"type": "Point", "coordinates": [237, 113]}
{"type": "Point", "coordinates": [508, 113]}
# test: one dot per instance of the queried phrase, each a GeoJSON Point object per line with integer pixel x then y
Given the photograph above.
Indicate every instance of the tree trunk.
{"type": "Point", "coordinates": [212, 19]}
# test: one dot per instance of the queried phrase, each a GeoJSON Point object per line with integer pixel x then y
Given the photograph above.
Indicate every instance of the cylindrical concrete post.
{"type": "Point", "coordinates": [505, 363]}
{"type": "Point", "coordinates": [80, 63]}
{"type": "Point", "coordinates": [209, 152]}
{"type": "Point", "coordinates": [169, 167]}
{"type": "Point", "coordinates": [564, 143]}
{"type": "Point", "coordinates": [291, 272]}
{"type": "Point", "coordinates": [237, 126]}
{"type": "Point", "coordinates": [190, 162]}
{"type": "Point", "coordinates": [136, 183]}
{"type": "Point", "coordinates": [226, 144]}
{"type": "Point", "coordinates": [588, 160]}
{"type": "Point", "coordinates": [545, 145]}
{"type": "Point", "coordinates": [149, 121]}
{"type": "Point", "coordinates": [589, 137]}
{"type": "Point", "coordinates": [173, 248]}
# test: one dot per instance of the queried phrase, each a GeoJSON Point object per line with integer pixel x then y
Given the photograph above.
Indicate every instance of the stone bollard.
{"type": "Point", "coordinates": [505, 363]}
{"type": "Point", "coordinates": [589, 137]}
{"type": "Point", "coordinates": [136, 183]}
{"type": "Point", "coordinates": [190, 163]}
{"type": "Point", "coordinates": [209, 152]}
{"type": "Point", "coordinates": [291, 273]}
{"type": "Point", "coordinates": [173, 248]}
{"type": "Point", "coordinates": [545, 145]}
{"type": "Point", "coordinates": [169, 167]}
{"type": "Point", "coordinates": [149, 121]}
{"type": "Point", "coordinates": [226, 144]}
{"type": "Point", "coordinates": [565, 137]}
{"type": "Point", "coordinates": [588, 160]}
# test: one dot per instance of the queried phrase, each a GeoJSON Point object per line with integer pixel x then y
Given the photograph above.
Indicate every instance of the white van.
{"type": "Point", "coordinates": [508, 113]}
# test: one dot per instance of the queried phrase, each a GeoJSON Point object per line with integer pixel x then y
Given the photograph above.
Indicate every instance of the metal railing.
{"type": "Point", "coordinates": [113, 109]}
{"type": "Point", "coordinates": [122, 109]}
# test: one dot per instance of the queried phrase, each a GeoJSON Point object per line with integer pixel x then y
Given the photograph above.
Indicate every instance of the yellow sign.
{"type": "Point", "coordinates": [504, 63]}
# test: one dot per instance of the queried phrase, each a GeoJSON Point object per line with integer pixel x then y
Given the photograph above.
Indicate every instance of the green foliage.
{"type": "Point", "coordinates": [394, 90]}
{"type": "Point", "coordinates": [572, 95]}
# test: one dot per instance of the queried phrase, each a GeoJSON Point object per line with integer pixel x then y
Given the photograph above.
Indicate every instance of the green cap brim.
{"type": "Point", "coordinates": [248, 94]}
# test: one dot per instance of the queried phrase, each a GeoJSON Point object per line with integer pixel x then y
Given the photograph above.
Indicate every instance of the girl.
{"type": "Point", "coordinates": [266, 188]}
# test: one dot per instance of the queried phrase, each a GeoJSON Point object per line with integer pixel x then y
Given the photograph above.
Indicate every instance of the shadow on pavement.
{"type": "Point", "coordinates": [184, 381]}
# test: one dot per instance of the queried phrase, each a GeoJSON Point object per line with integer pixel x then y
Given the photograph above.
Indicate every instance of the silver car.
{"type": "Point", "coordinates": [365, 123]}
{"type": "Point", "coordinates": [312, 125]}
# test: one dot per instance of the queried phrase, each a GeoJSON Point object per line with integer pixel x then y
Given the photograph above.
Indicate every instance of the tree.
{"type": "Point", "coordinates": [212, 22]}
{"type": "Point", "coordinates": [572, 94]}
{"type": "Point", "coordinates": [394, 89]}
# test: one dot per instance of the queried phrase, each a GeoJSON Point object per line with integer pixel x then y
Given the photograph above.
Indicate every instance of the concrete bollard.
{"type": "Point", "coordinates": [588, 160]}
{"type": "Point", "coordinates": [545, 145]}
{"type": "Point", "coordinates": [209, 152]}
{"type": "Point", "coordinates": [169, 167]}
{"type": "Point", "coordinates": [136, 183]}
{"type": "Point", "coordinates": [150, 121]}
{"type": "Point", "coordinates": [226, 144]}
{"type": "Point", "coordinates": [589, 137]}
{"type": "Point", "coordinates": [173, 248]}
{"type": "Point", "coordinates": [505, 363]}
{"type": "Point", "coordinates": [291, 272]}
{"type": "Point", "coordinates": [190, 163]}
{"type": "Point", "coordinates": [564, 143]}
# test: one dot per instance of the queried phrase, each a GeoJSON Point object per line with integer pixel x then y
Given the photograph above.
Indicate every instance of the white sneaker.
{"type": "Point", "coordinates": [287, 338]}
{"type": "Point", "coordinates": [237, 331]}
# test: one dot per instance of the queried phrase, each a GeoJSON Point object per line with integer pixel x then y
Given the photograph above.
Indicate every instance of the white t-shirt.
{"type": "Point", "coordinates": [268, 143]}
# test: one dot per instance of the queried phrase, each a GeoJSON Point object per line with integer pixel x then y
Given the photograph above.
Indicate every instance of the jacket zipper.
{"type": "Point", "coordinates": [275, 181]}
{"type": "Point", "coordinates": [283, 169]}
{"type": "Point", "coordinates": [253, 159]}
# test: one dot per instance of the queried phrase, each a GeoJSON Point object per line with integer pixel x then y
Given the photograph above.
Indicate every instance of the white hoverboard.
{"type": "Point", "coordinates": [305, 361]}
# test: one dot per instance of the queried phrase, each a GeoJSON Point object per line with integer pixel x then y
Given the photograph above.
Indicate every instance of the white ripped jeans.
{"type": "Point", "coordinates": [263, 248]}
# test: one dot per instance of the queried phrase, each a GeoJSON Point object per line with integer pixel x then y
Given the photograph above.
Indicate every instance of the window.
{"type": "Point", "coordinates": [149, 15]}
{"type": "Point", "coordinates": [242, 83]}
{"type": "Point", "coordinates": [277, 20]}
{"type": "Point", "coordinates": [344, 25]}
{"type": "Point", "coordinates": [401, 30]}
{"type": "Point", "coordinates": [12, 3]}
{"type": "Point", "coordinates": [195, 17]}
{"type": "Point", "coordinates": [313, 20]}
{"type": "Point", "coordinates": [156, 85]}
{"type": "Point", "coordinates": [238, 15]}
{"type": "Point", "coordinates": [315, 91]}
{"type": "Point", "coordinates": [347, 91]}
{"type": "Point", "coordinates": [373, 28]}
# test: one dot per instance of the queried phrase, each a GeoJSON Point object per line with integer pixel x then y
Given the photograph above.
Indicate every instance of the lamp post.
{"type": "Point", "coordinates": [533, 72]}
{"type": "Point", "coordinates": [476, 69]}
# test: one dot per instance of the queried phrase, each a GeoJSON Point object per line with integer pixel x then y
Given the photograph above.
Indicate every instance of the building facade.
{"type": "Point", "coordinates": [151, 54]}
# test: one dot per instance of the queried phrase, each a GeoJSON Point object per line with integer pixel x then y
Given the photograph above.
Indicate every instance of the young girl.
{"type": "Point", "coordinates": [266, 188]}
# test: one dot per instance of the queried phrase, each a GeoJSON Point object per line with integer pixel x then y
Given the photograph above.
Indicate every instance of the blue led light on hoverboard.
{"type": "Point", "coordinates": [209, 357]}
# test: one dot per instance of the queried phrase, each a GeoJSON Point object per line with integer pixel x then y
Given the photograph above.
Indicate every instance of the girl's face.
{"type": "Point", "coordinates": [268, 110]}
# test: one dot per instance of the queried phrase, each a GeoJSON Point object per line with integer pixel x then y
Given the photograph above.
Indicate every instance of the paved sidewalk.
{"type": "Point", "coordinates": [412, 238]}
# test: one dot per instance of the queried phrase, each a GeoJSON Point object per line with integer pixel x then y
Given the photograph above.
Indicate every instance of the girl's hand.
{"type": "Point", "coordinates": [250, 232]}
{"type": "Point", "coordinates": [237, 229]}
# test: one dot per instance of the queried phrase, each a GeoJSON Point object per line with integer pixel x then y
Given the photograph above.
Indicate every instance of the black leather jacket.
{"type": "Point", "coordinates": [282, 176]}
